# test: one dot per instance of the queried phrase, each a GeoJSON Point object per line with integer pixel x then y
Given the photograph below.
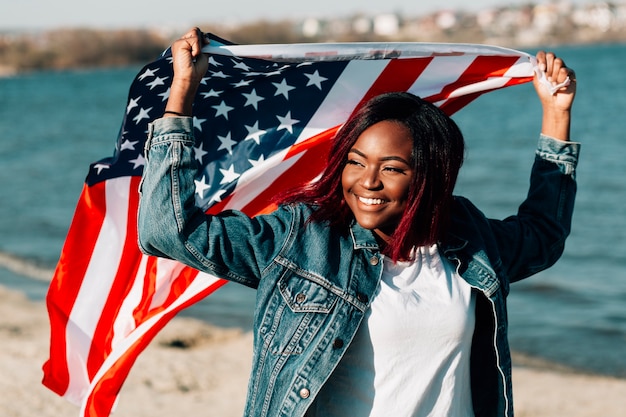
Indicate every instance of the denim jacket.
{"type": "Point", "coordinates": [314, 283]}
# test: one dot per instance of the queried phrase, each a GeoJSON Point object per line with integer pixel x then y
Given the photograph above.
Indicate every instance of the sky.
{"type": "Point", "coordinates": [103, 14]}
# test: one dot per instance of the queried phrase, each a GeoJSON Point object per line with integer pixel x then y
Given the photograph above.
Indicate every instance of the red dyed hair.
{"type": "Point", "coordinates": [437, 156]}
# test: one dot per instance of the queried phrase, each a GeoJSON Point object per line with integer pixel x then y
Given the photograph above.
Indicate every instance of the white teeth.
{"type": "Point", "coordinates": [371, 201]}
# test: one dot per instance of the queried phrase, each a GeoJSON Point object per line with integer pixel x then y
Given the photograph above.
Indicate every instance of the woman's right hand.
{"type": "Point", "coordinates": [190, 66]}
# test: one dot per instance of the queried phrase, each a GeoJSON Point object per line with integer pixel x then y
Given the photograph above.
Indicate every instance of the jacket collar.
{"type": "Point", "coordinates": [362, 238]}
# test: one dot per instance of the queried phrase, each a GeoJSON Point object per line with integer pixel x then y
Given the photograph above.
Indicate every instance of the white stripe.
{"type": "Point", "coordinates": [348, 91]}
{"type": "Point", "coordinates": [199, 284]}
{"type": "Point", "coordinates": [441, 72]}
{"type": "Point", "coordinates": [124, 321]}
{"type": "Point", "coordinates": [354, 51]}
{"type": "Point", "coordinates": [96, 286]}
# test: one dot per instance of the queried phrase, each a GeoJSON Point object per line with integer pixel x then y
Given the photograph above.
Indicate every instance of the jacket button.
{"type": "Point", "coordinates": [304, 393]}
{"type": "Point", "coordinates": [300, 298]}
{"type": "Point", "coordinates": [361, 297]}
{"type": "Point", "coordinates": [337, 343]}
{"type": "Point", "coordinates": [374, 260]}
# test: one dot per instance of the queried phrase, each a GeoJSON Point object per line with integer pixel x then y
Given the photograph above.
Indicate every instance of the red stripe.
{"type": "Point", "coordinates": [398, 75]}
{"type": "Point", "coordinates": [121, 286]}
{"type": "Point", "coordinates": [65, 286]}
{"type": "Point", "coordinates": [314, 159]}
{"type": "Point", "coordinates": [481, 69]}
{"type": "Point", "coordinates": [102, 398]}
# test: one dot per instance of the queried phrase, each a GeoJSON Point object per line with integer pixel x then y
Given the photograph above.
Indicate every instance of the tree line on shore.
{"type": "Point", "coordinates": [90, 48]}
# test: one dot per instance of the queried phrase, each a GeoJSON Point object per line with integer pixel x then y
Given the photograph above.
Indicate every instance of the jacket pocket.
{"type": "Point", "coordinates": [298, 309]}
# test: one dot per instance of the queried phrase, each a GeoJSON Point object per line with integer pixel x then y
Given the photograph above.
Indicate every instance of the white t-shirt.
{"type": "Point", "coordinates": [410, 357]}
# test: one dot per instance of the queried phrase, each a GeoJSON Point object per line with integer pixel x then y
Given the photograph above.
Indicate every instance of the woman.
{"type": "Point", "coordinates": [378, 292]}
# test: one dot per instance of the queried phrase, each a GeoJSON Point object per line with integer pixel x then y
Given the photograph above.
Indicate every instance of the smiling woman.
{"type": "Point", "coordinates": [410, 143]}
{"type": "Point", "coordinates": [377, 289]}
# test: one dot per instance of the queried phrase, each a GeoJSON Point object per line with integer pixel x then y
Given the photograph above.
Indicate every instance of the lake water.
{"type": "Point", "coordinates": [53, 125]}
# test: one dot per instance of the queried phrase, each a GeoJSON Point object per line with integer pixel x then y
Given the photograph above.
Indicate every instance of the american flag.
{"type": "Point", "coordinates": [263, 118]}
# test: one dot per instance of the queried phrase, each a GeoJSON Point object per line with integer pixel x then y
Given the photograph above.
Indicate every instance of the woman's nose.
{"type": "Point", "coordinates": [370, 179]}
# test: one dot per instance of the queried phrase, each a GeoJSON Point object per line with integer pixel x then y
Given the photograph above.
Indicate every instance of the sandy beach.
{"type": "Point", "coordinates": [194, 369]}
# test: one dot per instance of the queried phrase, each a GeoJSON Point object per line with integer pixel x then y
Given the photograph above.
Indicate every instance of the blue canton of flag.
{"type": "Point", "coordinates": [246, 111]}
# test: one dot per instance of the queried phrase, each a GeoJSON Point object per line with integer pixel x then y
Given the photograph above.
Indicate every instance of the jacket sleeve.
{"type": "Point", "coordinates": [230, 245]}
{"type": "Point", "coordinates": [534, 238]}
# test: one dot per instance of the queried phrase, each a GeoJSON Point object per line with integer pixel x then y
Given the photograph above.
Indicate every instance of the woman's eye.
{"type": "Point", "coordinates": [395, 170]}
{"type": "Point", "coordinates": [353, 162]}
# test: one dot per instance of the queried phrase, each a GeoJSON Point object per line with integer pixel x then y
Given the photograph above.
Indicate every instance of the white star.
{"type": "Point", "coordinates": [212, 61]}
{"type": "Point", "coordinates": [165, 95]}
{"type": "Point", "coordinates": [255, 133]}
{"type": "Point", "coordinates": [226, 143]}
{"type": "Point", "coordinates": [143, 114]}
{"type": "Point", "coordinates": [222, 110]}
{"type": "Point", "coordinates": [283, 88]}
{"type": "Point", "coordinates": [241, 65]}
{"type": "Point", "coordinates": [253, 99]}
{"type": "Point", "coordinates": [128, 145]}
{"type": "Point", "coordinates": [197, 123]}
{"type": "Point", "coordinates": [217, 197]}
{"type": "Point", "coordinates": [229, 175]}
{"type": "Point", "coordinates": [211, 93]}
{"type": "Point", "coordinates": [286, 122]}
{"type": "Point", "coordinates": [257, 162]}
{"type": "Point", "coordinates": [315, 79]}
{"type": "Point", "coordinates": [201, 186]}
{"type": "Point", "coordinates": [132, 103]}
{"type": "Point", "coordinates": [219, 74]}
{"type": "Point", "coordinates": [242, 83]}
{"type": "Point", "coordinates": [147, 73]}
{"type": "Point", "coordinates": [100, 167]}
{"type": "Point", "coordinates": [157, 81]}
{"type": "Point", "coordinates": [138, 162]}
{"type": "Point", "coordinates": [199, 153]}
{"type": "Point", "coordinates": [275, 72]}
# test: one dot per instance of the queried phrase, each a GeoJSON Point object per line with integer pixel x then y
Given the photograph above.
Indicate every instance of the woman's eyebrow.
{"type": "Point", "coordinates": [386, 158]}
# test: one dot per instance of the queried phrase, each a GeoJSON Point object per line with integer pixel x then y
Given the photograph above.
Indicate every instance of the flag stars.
{"type": "Point", "coordinates": [199, 153]}
{"type": "Point", "coordinates": [229, 175]}
{"type": "Point", "coordinates": [165, 95]}
{"type": "Point", "coordinates": [255, 133]}
{"type": "Point", "coordinates": [226, 143]}
{"type": "Point", "coordinates": [143, 114]}
{"type": "Point", "coordinates": [100, 167]}
{"type": "Point", "coordinates": [211, 93]}
{"type": "Point", "coordinates": [257, 162]}
{"type": "Point", "coordinates": [201, 186]}
{"type": "Point", "coordinates": [252, 99]}
{"type": "Point", "coordinates": [128, 145]}
{"type": "Point", "coordinates": [242, 83]}
{"type": "Point", "coordinates": [138, 162]}
{"type": "Point", "coordinates": [132, 103]}
{"type": "Point", "coordinates": [241, 65]}
{"type": "Point", "coordinates": [147, 73]}
{"type": "Point", "coordinates": [315, 79]}
{"type": "Point", "coordinates": [217, 196]}
{"type": "Point", "coordinates": [283, 88]}
{"type": "Point", "coordinates": [197, 123]}
{"type": "Point", "coordinates": [218, 74]}
{"type": "Point", "coordinates": [213, 62]}
{"type": "Point", "coordinates": [156, 82]}
{"type": "Point", "coordinates": [222, 109]}
{"type": "Point", "coordinates": [286, 122]}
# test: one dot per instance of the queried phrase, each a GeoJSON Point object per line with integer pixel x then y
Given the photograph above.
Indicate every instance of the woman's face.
{"type": "Point", "coordinates": [377, 177]}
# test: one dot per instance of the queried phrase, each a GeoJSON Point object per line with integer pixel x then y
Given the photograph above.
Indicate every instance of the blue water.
{"type": "Point", "coordinates": [54, 124]}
